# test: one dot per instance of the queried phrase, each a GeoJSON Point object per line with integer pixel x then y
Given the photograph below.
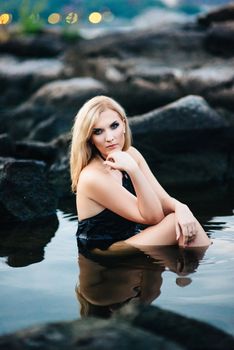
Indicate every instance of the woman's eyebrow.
{"type": "Point", "coordinates": [97, 128]}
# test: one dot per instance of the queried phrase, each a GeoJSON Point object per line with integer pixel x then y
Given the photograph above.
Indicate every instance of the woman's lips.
{"type": "Point", "coordinates": [111, 146]}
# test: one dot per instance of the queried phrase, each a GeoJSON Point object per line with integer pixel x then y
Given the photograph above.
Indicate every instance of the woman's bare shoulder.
{"type": "Point", "coordinates": [90, 173]}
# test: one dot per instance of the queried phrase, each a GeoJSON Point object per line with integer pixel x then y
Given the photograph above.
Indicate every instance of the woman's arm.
{"type": "Point", "coordinates": [168, 203]}
{"type": "Point", "coordinates": [185, 220]}
{"type": "Point", "coordinates": [102, 188]}
{"type": "Point", "coordinates": [148, 203]}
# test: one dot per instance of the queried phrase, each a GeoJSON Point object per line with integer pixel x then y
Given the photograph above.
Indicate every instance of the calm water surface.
{"type": "Point", "coordinates": [39, 272]}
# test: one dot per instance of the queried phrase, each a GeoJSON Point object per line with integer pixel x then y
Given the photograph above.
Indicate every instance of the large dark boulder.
{"type": "Point", "coordinates": [25, 194]}
{"type": "Point", "coordinates": [20, 79]}
{"type": "Point", "coordinates": [185, 143]}
{"type": "Point", "coordinates": [188, 113]}
{"type": "Point", "coordinates": [219, 14]}
{"type": "Point", "coordinates": [59, 177]}
{"type": "Point", "coordinates": [27, 149]}
{"type": "Point", "coordinates": [59, 100]}
{"type": "Point", "coordinates": [220, 39]}
{"type": "Point", "coordinates": [35, 150]}
{"type": "Point", "coordinates": [187, 332]}
{"type": "Point", "coordinates": [142, 327]}
{"type": "Point", "coordinates": [7, 146]}
{"type": "Point", "coordinates": [39, 45]}
{"type": "Point", "coordinates": [86, 334]}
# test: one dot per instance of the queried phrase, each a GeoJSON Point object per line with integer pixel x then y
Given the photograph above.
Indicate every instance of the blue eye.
{"type": "Point", "coordinates": [114, 125]}
{"type": "Point", "coordinates": [97, 131]}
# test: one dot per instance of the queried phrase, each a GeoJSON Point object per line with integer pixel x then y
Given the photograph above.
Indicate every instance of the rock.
{"type": "Point", "coordinates": [210, 79]}
{"type": "Point", "coordinates": [220, 14]}
{"type": "Point", "coordinates": [35, 150]}
{"type": "Point", "coordinates": [168, 138]}
{"type": "Point", "coordinates": [23, 243]}
{"type": "Point", "coordinates": [87, 334]}
{"type": "Point", "coordinates": [60, 99]}
{"type": "Point", "coordinates": [27, 149]}
{"type": "Point", "coordinates": [19, 79]}
{"type": "Point", "coordinates": [188, 170]}
{"type": "Point", "coordinates": [173, 327]}
{"type": "Point", "coordinates": [7, 147]}
{"type": "Point", "coordinates": [59, 177]}
{"type": "Point", "coordinates": [147, 86]}
{"type": "Point", "coordinates": [139, 42]}
{"type": "Point", "coordinates": [222, 97]}
{"type": "Point", "coordinates": [59, 172]}
{"type": "Point", "coordinates": [158, 46]}
{"type": "Point", "coordinates": [50, 128]}
{"type": "Point", "coordinates": [25, 194]}
{"type": "Point", "coordinates": [220, 39]}
{"type": "Point", "coordinates": [154, 74]}
{"type": "Point", "coordinates": [188, 113]}
{"type": "Point", "coordinates": [42, 45]}
{"type": "Point", "coordinates": [133, 327]}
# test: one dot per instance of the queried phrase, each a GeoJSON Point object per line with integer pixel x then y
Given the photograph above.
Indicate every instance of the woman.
{"type": "Point", "coordinates": [119, 200]}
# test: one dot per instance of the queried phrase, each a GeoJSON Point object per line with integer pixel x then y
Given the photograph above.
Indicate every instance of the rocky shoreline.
{"type": "Point", "coordinates": [176, 84]}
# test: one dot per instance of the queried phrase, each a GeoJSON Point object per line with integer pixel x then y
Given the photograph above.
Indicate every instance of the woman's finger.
{"type": "Point", "coordinates": [194, 229]}
{"type": "Point", "coordinates": [185, 234]}
{"type": "Point", "coordinates": [186, 240]}
{"type": "Point", "coordinates": [188, 231]}
{"type": "Point", "coordinates": [177, 231]}
{"type": "Point", "coordinates": [110, 164]}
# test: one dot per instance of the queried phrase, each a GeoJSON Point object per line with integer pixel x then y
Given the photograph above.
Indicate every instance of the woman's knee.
{"type": "Point", "coordinates": [170, 218]}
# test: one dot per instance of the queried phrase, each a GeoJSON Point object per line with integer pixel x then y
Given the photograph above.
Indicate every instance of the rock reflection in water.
{"type": "Point", "coordinates": [108, 282]}
{"type": "Point", "coordinates": [23, 243]}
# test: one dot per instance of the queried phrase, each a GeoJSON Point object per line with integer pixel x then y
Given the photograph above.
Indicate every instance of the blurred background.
{"type": "Point", "coordinates": [98, 14]}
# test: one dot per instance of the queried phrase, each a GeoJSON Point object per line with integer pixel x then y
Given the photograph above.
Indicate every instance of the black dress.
{"type": "Point", "coordinates": [107, 227]}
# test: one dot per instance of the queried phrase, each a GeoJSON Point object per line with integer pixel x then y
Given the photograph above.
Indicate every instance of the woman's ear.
{"type": "Point", "coordinates": [124, 126]}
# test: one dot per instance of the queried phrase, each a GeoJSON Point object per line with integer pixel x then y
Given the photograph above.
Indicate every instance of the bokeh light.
{"type": "Point", "coordinates": [5, 18]}
{"type": "Point", "coordinates": [72, 18]}
{"type": "Point", "coordinates": [95, 17]}
{"type": "Point", "coordinates": [54, 18]}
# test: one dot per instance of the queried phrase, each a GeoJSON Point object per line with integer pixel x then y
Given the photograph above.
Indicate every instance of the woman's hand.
{"type": "Point", "coordinates": [185, 223]}
{"type": "Point", "coordinates": [120, 160]}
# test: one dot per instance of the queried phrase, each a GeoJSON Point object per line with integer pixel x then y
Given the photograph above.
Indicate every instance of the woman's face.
{"type": "Point", "coordinates": [108, 132]}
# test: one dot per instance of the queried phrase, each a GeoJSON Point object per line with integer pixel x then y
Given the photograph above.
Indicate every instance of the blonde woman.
{"type": "Point", "coordinates": [119, 200]}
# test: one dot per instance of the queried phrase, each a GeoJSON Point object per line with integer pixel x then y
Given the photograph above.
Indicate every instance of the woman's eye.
{"type": "Point", "coordinates": [114, 125]}
{"type": "Point", "coordinates": [97, 131]}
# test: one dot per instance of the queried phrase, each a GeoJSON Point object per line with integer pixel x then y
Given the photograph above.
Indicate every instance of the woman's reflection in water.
{"type": "Point", "coordinates": [107, 282]}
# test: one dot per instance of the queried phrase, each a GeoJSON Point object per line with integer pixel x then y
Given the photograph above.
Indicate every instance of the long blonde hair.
{"type": "Point", "coordinates": [82, 151]}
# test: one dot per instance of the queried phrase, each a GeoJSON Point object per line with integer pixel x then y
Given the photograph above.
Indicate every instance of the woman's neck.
{"type": "Point", "coordinates": [99, 153]}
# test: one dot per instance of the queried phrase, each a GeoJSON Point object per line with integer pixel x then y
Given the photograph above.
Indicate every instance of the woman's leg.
{"type": "Point", "coordinates": [164, 233]}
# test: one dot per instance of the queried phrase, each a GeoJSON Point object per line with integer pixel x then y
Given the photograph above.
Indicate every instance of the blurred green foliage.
{"type": "Point", "coordinates": [30, 19]}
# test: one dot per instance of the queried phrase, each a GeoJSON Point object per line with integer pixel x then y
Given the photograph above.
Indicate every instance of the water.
{"type": "Point", "coordinates": [38, 276]}
{"type": "Point", "coordinates": [210, 295]}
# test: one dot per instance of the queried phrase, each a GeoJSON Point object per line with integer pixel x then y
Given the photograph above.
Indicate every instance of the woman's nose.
{"type": "Point", "coordinates": [109, 136]}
